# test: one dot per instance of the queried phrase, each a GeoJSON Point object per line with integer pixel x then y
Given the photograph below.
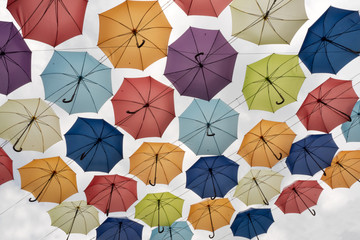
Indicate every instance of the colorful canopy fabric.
{"type": "Point", "coordinates": [119, 228]}
{"type": "Point", "coordinates": [211, 8]}
{"type": "Point", "coordinates": [6, 167]}
{"type": "Point", "coordinates": [351, 129]}
{"type": "Point", "coordinates": [177, 231]}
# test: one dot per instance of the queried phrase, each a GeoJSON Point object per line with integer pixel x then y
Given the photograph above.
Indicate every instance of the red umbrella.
{"type": "Point", "coordinates": [48, 21]}
{"type": "Point", "coordinates": [328, 105]}
{"type": "Point", "coordinates": [6, 171]}
{"type": "Point", "coordinates": [143, 107]}
{"type": "Point", "coordinates": [211, 8]}
{"type": "Point", "coordinates": [299, 196]}
{"type": "Point", "coordinates": [111, 193]}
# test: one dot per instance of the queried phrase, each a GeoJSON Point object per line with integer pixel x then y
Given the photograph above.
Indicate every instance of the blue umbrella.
{"type": "Point", "coordinates": [252, 222]}
{"type": "Point", "coordinates": [311, 154]}
{"type": "Point", "coordinates": [351, 130]}
{"type": "Point", "coordinates": [94, 144]}
{"type": "Point", "coordinates": [177, 231]}
{"type": "Point", "coordinates": [332, 41]}
{"type": "Point", "coordinates": [77, 82]}
{"type": "Point", "coordinates": [208, 127]}
{"type": "Point", "coordinates": [119, 228]}
{"type": "Point", "coordinates": [212, 176]}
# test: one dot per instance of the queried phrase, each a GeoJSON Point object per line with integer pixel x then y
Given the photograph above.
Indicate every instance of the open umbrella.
{"type": "Point", "coordinates": [273, 82]}
{"type": "Point", "coordinates": [156, 162]}
{"type": "Point", "coordinates": [119, 228]}
{"type": "Point", "coordinates": [212, 176]}
{"type": "Point", "coordinates": [76, 82]}
{"type": "Point", "coordinates": [51, 22]}
{"type": "Point", "coordinates": [49, 179]}
{"type": "Point", "coordinates": [332, 41]}
{"type": "Point", "coordinates": [208, 127]}
{"type": "Point", "coordinates": [328, 105]}
{"type": "Point", "coordinates": [111, 193]}
{"type": "Point", "coordinates": [177, 231]}
{"type": "Point", "coordinates": [200, 63]}
{"type": "Point", "coordinates": [15, 59]}
{"type": "Point", "coordinates": [6, 167]}
{"type": "Point", "coordinates": [143, 107]}
{"type": "Point", "coordinates": [94, 144]}
{"type": "Point", "coordinates": [351, 129]}
{"type": "Point", "coordinates": [134, 34]}
{"type": "Point", "coordinates": [211, 8]}
{"type": "Point", "coordinates": [267, 21]}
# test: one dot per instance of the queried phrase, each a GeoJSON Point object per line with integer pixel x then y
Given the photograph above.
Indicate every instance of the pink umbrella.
{"type": "Point", "coordinates": [6, 171]}
{"type": "Point", "coordinates": [211, 8]}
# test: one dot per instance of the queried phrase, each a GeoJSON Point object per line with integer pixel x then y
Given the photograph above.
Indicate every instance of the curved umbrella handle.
{"type": "Point", "coordinates": [212, 225]}
{"type": "Point", "coordinates": [160, 230]}
{"type": "Point", "coordinates": [312, 211]}
{"type": "Point", "coordinates": [75, 91]}
{"type": "Point", "coordinates": [17, 141]}
{"type": "Point", "coordinates": [17, 150]}
{"type": "Point", "coordinates": [282, 100]}
{"type": "Point", "coordinates": [208, 131]}
{"type": "Point", "coordinates": [152, 184]}
{"type": "Point", "coordinates": [212, 236]}
{"type": "Point", "coordinates": [197, 55]}
{"type": "Point", "coordinates": [139, 46]}
{"type": "Point", "coordinates": [156, 163]}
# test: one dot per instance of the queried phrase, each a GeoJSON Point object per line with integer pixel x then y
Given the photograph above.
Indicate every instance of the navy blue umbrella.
{"type": "Point", "coordinates": [212, 176]}
{"type": "Point", "coordinates": [311, 154]}
{"type": "Point", "coordinates": [94, 144]}
{"type": "Point", "coordinates": [119, 228]}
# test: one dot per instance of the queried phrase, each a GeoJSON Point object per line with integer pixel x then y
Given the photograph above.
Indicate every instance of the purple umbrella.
{"type": "Point", "coordinates": [200, 63]}
{"type": "Point", "coordinates": [15, 59]}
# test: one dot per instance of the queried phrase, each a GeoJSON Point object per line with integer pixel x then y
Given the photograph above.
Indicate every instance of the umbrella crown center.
{"type": "Point", "coordinates": [146, 105]}
{"type": "Point", "coordinates": [80, 78]}
{"type": "Point", "coordinates": [268, 79]}
{"type": "Point", "coordinates": [134, 31]}
{"type": "Point", "coordinates": [98, 140]}
{"type": "Point", "coordinates": [2, 53]}
{"type": "Point", "coordinates": [210, 170]}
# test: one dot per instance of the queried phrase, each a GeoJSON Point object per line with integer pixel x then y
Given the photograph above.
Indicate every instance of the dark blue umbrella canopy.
{"type": "Point", "coordinates": [119, 228]}
{"type": "Point", "coordinates": [94, 144]}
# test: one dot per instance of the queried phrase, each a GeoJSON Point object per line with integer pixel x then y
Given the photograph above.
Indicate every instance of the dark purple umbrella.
{"type": "Point", "coordinates": [15, 59]}
{"type": "Point", "coordinates": [200, 63]}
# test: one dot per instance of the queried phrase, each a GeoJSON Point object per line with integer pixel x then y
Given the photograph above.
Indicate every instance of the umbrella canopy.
{"type": "Point", "coordinates": [252, 222]}
{"type": "Point", "coordinates": [29, 124]}
{"type": "Point", "coordinates": [15, 58]}
{"type": "Point", "coordinates": [351, 129]}
{"type": "Point", "coordinates": [6, 167]}
{"type": "Point", "coordinates": [134, 34]}
{"type": "Point", "coordinates": [208, 127]}
{"type": "Point", "coordinates": [328, 105]}
{"type": "Point", "coordinates": [177, 231]}
{"type": "Point", "coordinates": [94, 144]}
{"type": "Point", "coordinates": [143, 107]}
{"type": "Point", "coordinates": [211, 8]}
{"type": "Point", "coordinates": [111, 193]}
{"type": "Point", "coordinates": [311, 154]}
{"type": "Point", "coordinates": [267, 143]}
{"type": "Point", "coordinates": [212, 176]}
{"type": "Point", "coordinates": [76, 82]}
{"type": "Point", "coordinates": [156, 162]}
{"type": "Point", "coordinates": [299, 196]}
{"type": "Point", "coordinates": [267, 21]}
{"type": "Point", "coordinates": [258, 186]}
{"type": "Point", "coordinates": [211, 215]}
{"type": "Point", "coordinates": [273, 82]}
{"type": "Point", "coordinates": [49, 179]}
{"type": "Point", "coordinates": [119, 228]}
{"type": "Point", "coordinates": [200, 63]}
{"type": "Point", "coordinates": [332, 41]}
{"type": "Point", "coordinates": [50, 22]}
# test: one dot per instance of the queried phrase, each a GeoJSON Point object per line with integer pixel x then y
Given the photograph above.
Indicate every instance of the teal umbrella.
{"type": "Point", "coordinates": [177, 231]}
{"type": "Point", "coordinates": [351, 129]}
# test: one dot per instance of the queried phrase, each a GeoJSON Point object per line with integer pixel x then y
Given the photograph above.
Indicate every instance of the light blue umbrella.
{"type": "Point", "coordinates": [177, 231]}
{"type": "Point", "coordinates": [351, 130]}
{"type": "Point", "coordinates": [77, 82]}
{"type": "Point", "coordinates": [208, 127]}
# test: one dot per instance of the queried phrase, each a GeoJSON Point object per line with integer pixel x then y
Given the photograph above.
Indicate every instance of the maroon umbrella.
{"type": "Point", "coordinates": [200, 63]}
{"type": "Point", "coordinates": [15, 59]}
{"type": "Point", "coordinates": [6, 167]}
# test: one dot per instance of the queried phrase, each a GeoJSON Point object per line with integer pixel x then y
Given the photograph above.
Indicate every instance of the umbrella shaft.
{"type": "Point", "coordinates": [252, 224]}
{"type": "Point", "coordinates": [310, 154]}
{"type": "Point", "coordinates": [346, 116]}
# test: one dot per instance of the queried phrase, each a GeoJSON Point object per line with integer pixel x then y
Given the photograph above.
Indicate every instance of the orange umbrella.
{"type": "Point", "coordinates": [49, 179]}
{"type": "Point", "coordinates": [267, 143]}
{"type": "Point", "coordinates": [156, 162]}
{"type": "Point", "coordinates": [211, 214]}
{"type": "Point", "coordinates": [134, 34]}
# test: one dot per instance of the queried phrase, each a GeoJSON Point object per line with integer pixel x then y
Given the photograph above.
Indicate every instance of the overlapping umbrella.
{"type": "Point", "coordinates": [119, 228]}
{"type": "Point", "coordinates": [177, 231]}
{"type": "Point", "coordinates": [351, 129]}
{"type": "Point", "coordinates": [6, 167]}
{"type": "Point", "coordinates": [211, 8]}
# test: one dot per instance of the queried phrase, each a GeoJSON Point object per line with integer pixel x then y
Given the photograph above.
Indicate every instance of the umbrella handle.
{"type": "Point", "coordinates": [208, 131]}
{"type": "Point", "coordinates": [139, 46]}
{"type": "Point", "coordinates": [212, 225]}
{"type": "Point", "coordinates": [17, 141]}
{"type": "Point", "coordinates": [212, 236]}
{"type": "Point", "coordinates": [156, 163]}
{"type": "Point", "coordinates": [282, 100]}
{"type": "Point", "coordinates": [17, 150]}
{"type": "Point", "coordinates": [197, 55]}
{"type": "Point", "coordinates": [160, 230]}
{"type": "Point", "coordinates": [75, 91]}
{"type": "Point", "coordinates": [312, 211]}
{"type": "Point", "coordinates": [152, 184]}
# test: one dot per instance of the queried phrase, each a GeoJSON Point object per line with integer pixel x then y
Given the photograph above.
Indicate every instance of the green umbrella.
{"type": "Point", "coordinates": [273, 82]}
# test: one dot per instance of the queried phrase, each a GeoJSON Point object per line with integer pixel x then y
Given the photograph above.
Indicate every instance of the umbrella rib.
{"type": "Point", "coordinates": [67, 10]}
{"type": "Point", "coordinates": [145, 13]}
{"type": "Point", "coordinates": [14, 62]}
{"type": "Point", "coordinates": [158, 48]}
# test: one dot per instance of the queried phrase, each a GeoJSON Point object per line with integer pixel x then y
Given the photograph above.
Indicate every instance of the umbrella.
{"type": "Point", "coordinates": [208, 127]}
{"type": "Point", "coordinates": [299, 196]}
{"type": "Point", "coordinates": [119, 228]}
{"type": "Point", "coordinates": [267, 21]}
{"type": "Point", "coordinates": [29, 124]}
{"type": "Point", "coordinates": [212, 176]}
{"type": "Point", "coordinates": [211, 215]}
{"type": "Point", "coordinates": [211, 8]}
{"type": "Point", "coordinates": [177, 231]}
{"type": "Point", "coordinates": [143, 107]}
{"type": "Point", "coordinates": [134, 34]}
{"type": "Point", "coordinates": [200, 63]}
{"type": "Point", "coordinates": [258, 186]}
{"type": "Point", "coordinates": [328, 105]}
{"type": "Point", "coordinates": [351, 129]}
{"type": "Point", "coordinates": [332, 41]}
{"type": "Point", "coordinates": [50, 22]}
{"type": "Point", "coordinates": [74, 217]}
{"type": "Point", "coordinates": [266, 143]}
{"type": "Point", "coordinates": [156, 162]}
{"type": "Point", "coordinates": [273, 82]}
{"type": "Point", "coordinates": [49, 179]}
{"type": "Point", "coordinates": [159, 209]}
{"type": "Point", "coordinates": [111, 193]}
{"type": "Point", "coordinates": [344, 170]}
{"type": "Point", "coordinates": [15, 58]}
{"type": "Point", "coordinates": [76, 82]}
{"type": "Point", "coordinates": [94, 144]}
{"type": "Point", "coordinates": [252, 222]}
{"type": "Point", "coordinates": [311, 154]}
{"type": "Point", "coordinates": [6, 167]}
